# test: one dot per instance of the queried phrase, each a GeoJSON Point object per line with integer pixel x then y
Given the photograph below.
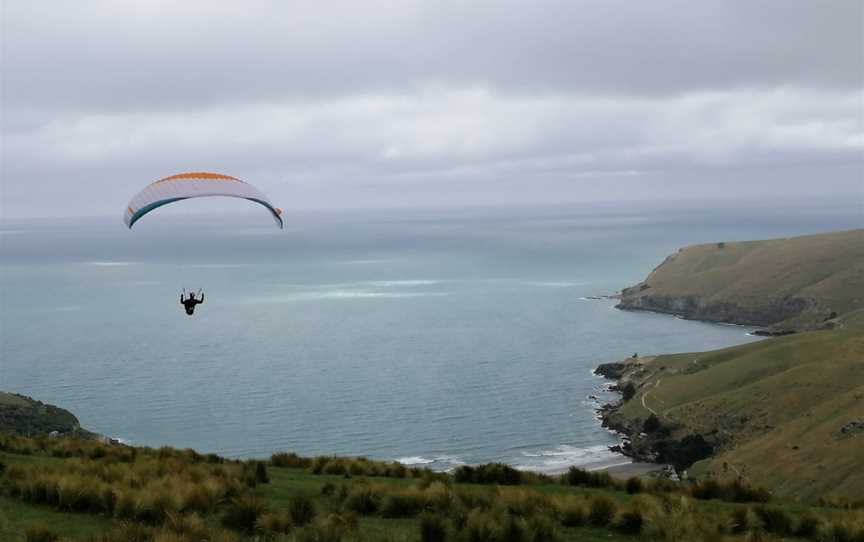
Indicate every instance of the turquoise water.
{"type": "Point", "coordinates": [441, 337]}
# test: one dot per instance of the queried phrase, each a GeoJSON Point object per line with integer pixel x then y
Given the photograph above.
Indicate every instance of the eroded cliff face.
{"type": "Point", "coordinates": [796, 311]}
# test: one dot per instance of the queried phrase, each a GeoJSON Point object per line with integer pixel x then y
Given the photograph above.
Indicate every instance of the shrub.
{"type": "Point", "coordinates": [472, 500]}
{"type": "Point", "coordinates": [126, 532]}
{"type": "Point", "coordinates": [433, 527]}
{"type": "Point", "coordinates": [601, 510]}
{"type": "Point", "coordinates": [707, 490]}
{"type": "Point", "coordinates": [681, 454]}
{"type": "Point", "coordinates": [480, 526]}
{"type": "Point", "coordinates": [540, 529]}
{"type": "Point", "coordinates": [579, 477]}
{"type": "Point", "coordinates": [274, 523]}
{"type": "Point", "coordinates": [335, 466]}
{"type": "Point", "coordinates": [808, 526]}
{"type": "Point", "coordinates": [847, 530]}
{"type": "Point", "coordinates": [328, 489]}
{"type": "Point", "coordinates": [40, 533]}
{"type": "Point", "coordinates": [402, 504]}
{"type": "Point", "coordinates": [741, 492]}
{"type": "Point", "coordinates": [242, 513]}
{"type": "Point", "coordinates": [651, 424]}
{"type": "Point", "coordinates": [490, 473]}
{"type": "Point", "coordinates": [775, 520]}
{"type": "Point", "coordinates": [261, 475]}
{"type": "Point", "coordinates": [630, 521]}
{"type": "Point", "coordinates": [572, 512]}
{"type": "Point", "coordinates": [362, 500]}
{"type": "Point", "coordinates": [333, 528]}
{"type": "Point", "coordinates": [439, 496]}
{"type": "Point", "coordinates": [289, 460]}
{"type": "Point", "coordinates": [744, 520]}
{"type": "Point", "coordinates": [508, 527]}
{"type": "Point", "coordinates": [301, 510]}
{"type": "Point", "coordinates": [628, 391]}
{"type": "Point", "coordinates": [124, 508]}
{"type": "Point", "coordinates": [523, 503]}
{"type": "Point", "coordinates": [633, 485]}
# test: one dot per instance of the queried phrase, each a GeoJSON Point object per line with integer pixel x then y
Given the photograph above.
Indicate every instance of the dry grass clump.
{"type": "Point", "coordinates": [495, 525]}
{"type": "Point", "coordinates": [405, 503]}
{"type": "Point", "coordinates": [524, 503]}
{"type": "Point", "coordinates": [579, 477]}
{"type": "Point", "coordinates": [301, 510]}
{"type": "Point", "coordinates": [842, 503]}
{"type": "Point", "coordinates": [273, 522]}
{"type": "Point", "coordinates": [359, 466]}
{"type": "Point", "coordinates": [735, 491]}
{"type": "Point", "coordinates": [674, 518]}
{"type": "Point", "coordinates": [433, 527]}
{"type": "Point", "coordinates": [490, 473]}
{"type": "Point", "coordinates": [40, 533]}
{"type": "Point", "coordinates": [601, 510]}
{"type": "Point", "coordinates": [329, 528]}
{"type": "Point", "coordinates": [144, 488]}
{"type": "Point", "coordinates": [571, 511]}
{"type": "Point", "coordinates": [847, 528]}
{"type": "Point", "coordinates": [290, 460]}
{"type": "Point", "coordinates": [190, 529]}
{"type": "Point", "coordinates": [363, 499]}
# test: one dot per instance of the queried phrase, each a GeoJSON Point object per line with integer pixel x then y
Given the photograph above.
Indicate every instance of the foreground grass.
{"type": "Point", "coordinates": [83, 491]}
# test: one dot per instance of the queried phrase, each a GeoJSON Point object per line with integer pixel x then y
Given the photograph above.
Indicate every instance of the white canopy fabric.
{"type": "Point", "coordinates": [194, 185]}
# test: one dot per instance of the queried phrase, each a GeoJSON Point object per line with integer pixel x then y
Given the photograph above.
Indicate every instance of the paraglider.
{"type": "Point", "coordinates": [190, 302]}
{"type": "Point", "coordinates": [194, 185]}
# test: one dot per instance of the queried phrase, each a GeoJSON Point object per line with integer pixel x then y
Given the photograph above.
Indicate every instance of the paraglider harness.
{"type": "Point", "coordinates": [190, 302]}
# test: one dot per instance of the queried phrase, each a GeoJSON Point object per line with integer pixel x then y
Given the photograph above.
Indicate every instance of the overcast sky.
{"type": "Point", "coordinates": [407, 103]}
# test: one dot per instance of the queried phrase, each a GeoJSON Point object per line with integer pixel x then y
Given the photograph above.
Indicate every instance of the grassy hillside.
{"type": "Point", "coordinates": [87, 491]}
{"type": "Point", "coordinates": [786, 413]}
{"type": "Point", "coordinates": [25, 416]}
{"type": "Point", "coordinates": [798, 282]}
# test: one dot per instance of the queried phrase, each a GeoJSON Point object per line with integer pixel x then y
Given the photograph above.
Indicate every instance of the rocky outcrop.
{"type": "Point", "coordinates": [612, 371]}
{"type": "Point", "coordinates": [855, 427]}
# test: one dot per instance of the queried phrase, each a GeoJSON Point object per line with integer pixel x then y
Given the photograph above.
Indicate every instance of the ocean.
{"type": "Point", "coordinates": [435, 337]}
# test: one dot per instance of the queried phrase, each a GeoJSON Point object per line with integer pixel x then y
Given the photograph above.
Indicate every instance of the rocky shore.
{"type": "Point", "coordinates": [648, 439]}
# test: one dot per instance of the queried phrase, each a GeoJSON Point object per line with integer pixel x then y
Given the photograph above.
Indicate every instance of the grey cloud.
{"type": "Point", "coordinates": [169, 55]}
{"type": "Point", "coordinates": [410, 103]}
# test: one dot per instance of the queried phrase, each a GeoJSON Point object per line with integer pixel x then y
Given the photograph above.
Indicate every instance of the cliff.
{"type": "Point", "coordinates": [790, 284]}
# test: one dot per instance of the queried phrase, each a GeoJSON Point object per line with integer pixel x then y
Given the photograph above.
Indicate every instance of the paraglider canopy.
{"type": "Point", "coordinates": [194, 185]}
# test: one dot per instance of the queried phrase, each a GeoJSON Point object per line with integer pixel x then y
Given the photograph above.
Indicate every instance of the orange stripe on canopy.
{"type": "Point", "coordinates": [199, 175]}
{"type": "Point", "coordinates": [131, 211]}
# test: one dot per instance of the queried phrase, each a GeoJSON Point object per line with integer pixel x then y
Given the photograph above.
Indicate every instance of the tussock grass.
{"type": "Point", "coordinates": [182, 496]}
{"type": "Point", "coordinates": [40, 533]}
